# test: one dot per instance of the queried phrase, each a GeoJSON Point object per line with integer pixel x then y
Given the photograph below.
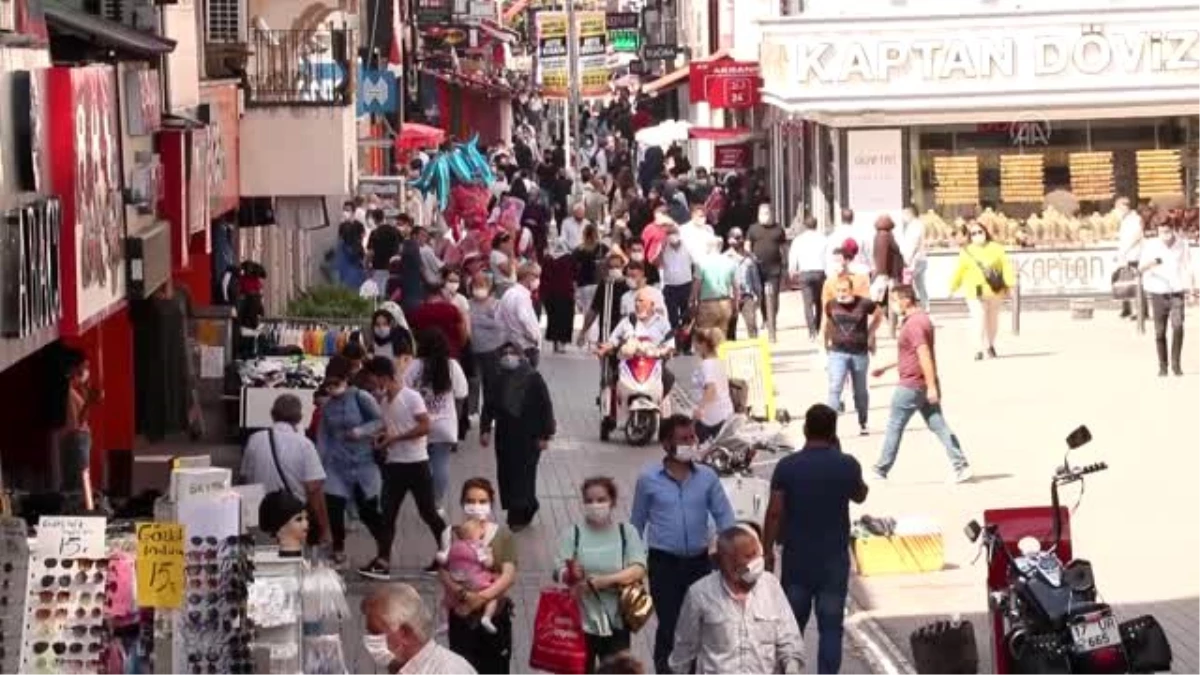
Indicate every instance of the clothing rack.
{"type": "Point", "coordinates": [316, 337]}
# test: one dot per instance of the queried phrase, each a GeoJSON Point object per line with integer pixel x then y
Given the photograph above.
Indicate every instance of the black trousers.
{"type": "Point", "coordinates": [676, 298]}
{"type": "Point", "coordinates": [486, 652]}
{"type": "Point", "coordinates": [1167, 308]}
{"type": "Point", "coordinates": [670, 578]}
{"type": "Point", "coordinates": [770, 301]}
{"type": "Point", "coordinates": [368, 512]}
{"type": "Point", "coordinates": [600, 647]}
{"type": "Point", "coordinates": [398, 480]}
{"type": "Point", "coordinates": [811, 285]}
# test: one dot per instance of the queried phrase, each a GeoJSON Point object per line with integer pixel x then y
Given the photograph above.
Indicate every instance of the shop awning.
{"type": "Point", "coordinates": [473, 82]}
{"type": "Point", "coordinates": [104, 32]}
{"type": "Point", "coordinates": [721, 135]}
{"type": "Point", "coordinates": [680, 75]}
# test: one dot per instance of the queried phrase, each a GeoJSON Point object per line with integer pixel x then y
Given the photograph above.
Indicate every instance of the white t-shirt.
{"type": "Point", "coordinates": [443, 414]}
{"type": "Point", "coordinates": [402, 412]}
{"type": "Point", "coordinates": [676, 266]}
{"type": "Point", "coordinates": [720, 409]}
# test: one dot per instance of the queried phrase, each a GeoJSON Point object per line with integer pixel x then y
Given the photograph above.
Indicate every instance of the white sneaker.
{"type": "Point", "coordinates": [963, 475]}
{"type": "Point", "coordinates": [487, 624]}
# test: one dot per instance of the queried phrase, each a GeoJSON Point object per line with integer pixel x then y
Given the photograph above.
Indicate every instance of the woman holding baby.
{"type": "Point", "coordinates": [480, 616]}
{"type": "Point", "coordinates": [597, 559]}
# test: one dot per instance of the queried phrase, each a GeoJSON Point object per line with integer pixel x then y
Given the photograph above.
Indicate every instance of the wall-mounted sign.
{"type": "Point", "coordinates": [661, 52]}
{"type": "Point", "coordinates": [223, 141]}
{"type": "Point", "coordinates": [30, 279]}
{"type": "Point", "coordinates": [31, 20]}
{"type": "Point", "coordinates": [733, 157]}
{"type": "Point", "coordinates": [874, 171]}
{"type": "Point", "coordinates": [145, 187]}
{"type": "Point", "coordinates": [378, 92]}
{"type": "Point", "coordinates": [727, 83]}
{"type": "Point", "coordinates": [143, 102]}
{"type": "Point", "coordinates": [624, 31]}
{"type": "Point", "coordinates": [434, 11]}
{"type": "Point", "coordinates": [197, 191]}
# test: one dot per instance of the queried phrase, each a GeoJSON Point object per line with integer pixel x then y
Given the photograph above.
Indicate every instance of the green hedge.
{"type": "Point", "coordinates": [330, 302]}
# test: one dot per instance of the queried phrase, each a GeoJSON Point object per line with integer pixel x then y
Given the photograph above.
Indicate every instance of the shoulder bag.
{"type": "Point", "coordinates": [633, 600]}
{"type": "Point", "coordinates": [279, 467]}
{"type": "Point", "coordinates": [993, 276]}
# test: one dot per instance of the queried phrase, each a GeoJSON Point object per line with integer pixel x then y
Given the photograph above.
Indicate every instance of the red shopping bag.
{"type": "Point", "coordinates": [559, 645]}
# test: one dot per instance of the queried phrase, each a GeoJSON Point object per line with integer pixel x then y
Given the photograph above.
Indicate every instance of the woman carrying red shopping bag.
{"type": "Point", "coordinates": [598, 560]}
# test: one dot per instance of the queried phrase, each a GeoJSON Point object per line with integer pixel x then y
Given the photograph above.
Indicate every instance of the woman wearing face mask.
{"type": "Point", "coordinates": [985, 273]}
{"type": "Point", "coordinates": [557, 293]}
{"type": "Point", "coordinates": [488, 335]}
{"type": "Point", "coordinates": [597, 559]}
{"type": "Point", "coordinates": [486, 651]}
{"type": "Point", "coordinates": [441, 383]}
{"type": "Point", "coordinates": [519, 404]}
{"type": "Point", "coordinates": [388, 337]}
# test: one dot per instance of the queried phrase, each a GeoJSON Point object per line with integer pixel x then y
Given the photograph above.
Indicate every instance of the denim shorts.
{"type": "Point", "coordinates": [74, 456]}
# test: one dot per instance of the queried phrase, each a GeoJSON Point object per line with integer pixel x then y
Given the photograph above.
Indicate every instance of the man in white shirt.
{"type": "Point", "coordinates": [737, 619]}
{"type": "Point", "coordinates": [1130, 237]}
{"type": "Point", "coordinates": [696, 233]}
{"type": "Point", "coordinates": [646, 330]}
{"type": "Point", "coordinates": [807, 261]}
{"type": "Point", "coordinates": [635, 277]}
{"type": "Point", "coordinates": [282, 458]}
{"type": "Point", "coordinates": [914, 248]}
{"type": "Point", "coordinates": [515, 312]}
{"type": "Point", "coordinates": [572, 226]}
{"type": "Point", "coordinates": [675, 266]}
{"type": "Point", "coordinates": [1167, 279]}
{"type": "Point", "coordinates": [431, 266]}
{"type": "Point", "coordinates": [399, 635]}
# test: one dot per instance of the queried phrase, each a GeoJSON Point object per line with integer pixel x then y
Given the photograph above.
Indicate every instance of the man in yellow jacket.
{"type": "Point", "coordinates": [985, 273]}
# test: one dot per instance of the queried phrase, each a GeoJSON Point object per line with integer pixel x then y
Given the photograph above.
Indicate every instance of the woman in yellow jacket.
{"type": "Point", "coordinates": [985, 274]}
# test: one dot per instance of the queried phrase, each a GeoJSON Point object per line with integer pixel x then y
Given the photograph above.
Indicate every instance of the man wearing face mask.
{"type": "Point", "coordinates": [767, 241]}
{"type": "Point", "coordinates": [516, 314]}
{"type": "Point", "coordinates": [635, 276]}
{"type": "Point", "coordinates": [737, 619]}
{"type": "Point", "coordinates": [677, 277]}
{"type": "Point", "coordinates": [606, 303]}
{"type": "Point", "coordinates": [809, 516]}
{"type": "Point", "coordinates": [696, 233]}
{"type": "Point", "coordinates": [672, 502]}
{"type": "Point", "coordinates": [849, 342]}
{"type": "Point", "coordinates": [399, 637]}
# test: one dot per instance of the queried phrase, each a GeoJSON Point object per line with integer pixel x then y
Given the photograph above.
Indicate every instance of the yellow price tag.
{"type": "Point", "coordinates": [160, 565]}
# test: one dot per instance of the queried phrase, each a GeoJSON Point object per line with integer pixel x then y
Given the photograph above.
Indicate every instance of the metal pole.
{"type": "Point", "coordinates": [573, 75]}
{"type": "Point", "coordinates": [1141, 307]}
{"type": "Point", "coordinates": [1016, 309]}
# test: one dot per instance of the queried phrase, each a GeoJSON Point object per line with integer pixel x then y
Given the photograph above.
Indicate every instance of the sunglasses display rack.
{"type": "Point", "coordinates": [65, 629]}
{"type": "Point", "coordinates": [275, 610]}
{"type": "Point", "coordinates": [14, 572]}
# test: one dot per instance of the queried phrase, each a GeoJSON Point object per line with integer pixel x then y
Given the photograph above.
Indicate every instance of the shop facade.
{"type": "Point", "coordinates": [991, 112]}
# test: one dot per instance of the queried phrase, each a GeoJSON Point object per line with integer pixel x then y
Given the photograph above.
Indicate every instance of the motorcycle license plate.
{"type": "Point", "coordinates": [1096, 632]}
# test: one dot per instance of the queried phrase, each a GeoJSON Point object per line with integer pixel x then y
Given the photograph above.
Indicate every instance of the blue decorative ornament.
{"type": "Point", "coordinates": [463, 164]}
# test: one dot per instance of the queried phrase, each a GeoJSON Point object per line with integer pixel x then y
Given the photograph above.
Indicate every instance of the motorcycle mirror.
{"type": "Point", "coordinates": [973, 530]}
{"type": "Point", "coordinates": [1079, 438]}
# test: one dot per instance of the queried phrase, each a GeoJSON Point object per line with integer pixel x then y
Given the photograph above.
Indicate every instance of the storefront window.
{"type": "Point", "coordinates": [1059, 178]}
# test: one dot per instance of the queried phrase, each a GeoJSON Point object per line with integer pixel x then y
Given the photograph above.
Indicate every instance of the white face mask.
{"type": "Point", "coordinates": [638, 257]}
{"type": "Point", "coordinates": [377, 649]}
{"type": "Point", "coordinates": [480, 293]}
{"type": "Point", "coordinates": [615, 275]}
{"type": "Point", "coordinates": [754, 570]}
{"type": "Point", "coordinates": [764, 218]}
{"type": "Point", "coordinates": [451, 287]}
{"type": "Point", "coordinates": [382, 332]}
{"type": "Point", "coordinates": [597, 512]}
{"type": "Point", "coordinates": [347, 215]}
{"type": "Point", "coordinates": [686, 453]}
{"type": "Point", "coordinates": [978, 239]}
{"type": "Point", "coordinates": [674, 239]}
{"type": "Point", "coordinates": [478, 511]}
{"type": "Point", "coordinates": [845, 299]}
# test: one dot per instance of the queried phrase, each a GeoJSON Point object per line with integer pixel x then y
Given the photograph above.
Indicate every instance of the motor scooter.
{"type": "Point", "coordinates": [1046, 616]}
{"type": "Point", "coordinates": [632, 397]}
{"type": "Point", "coordinates": [731, 454]}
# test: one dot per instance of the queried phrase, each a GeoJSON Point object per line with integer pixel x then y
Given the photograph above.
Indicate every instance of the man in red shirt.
{"type": "Point", "coordinates": [438, 312]}
{"type": "Point", "coordinates": [655, 234]}
{"type": "Point", "coordinates": [918, 389]}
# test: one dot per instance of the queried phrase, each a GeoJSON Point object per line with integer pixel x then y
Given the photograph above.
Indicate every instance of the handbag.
{"type": "Point", "coordinates": [633, 601]}
{"type": "Point", "coordinates": [993, 276]}
{"type": "Point", "coordinates": [559, 644]}
{"type": "Point", "coordinates": [1125, 282]}
{"type": "Point", "coordinates": [279, 467]}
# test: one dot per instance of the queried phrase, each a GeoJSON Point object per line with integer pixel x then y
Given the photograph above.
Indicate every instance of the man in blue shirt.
{"type": "Point", "coordinates": [671, 507]}
{"type": "Point", "coordinates": [811, 493]}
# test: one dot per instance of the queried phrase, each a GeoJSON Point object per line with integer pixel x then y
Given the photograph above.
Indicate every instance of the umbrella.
{"type": "Point", "coordinates": [662, 135]}
{"type": "Point", "coordinates": [415, 136]}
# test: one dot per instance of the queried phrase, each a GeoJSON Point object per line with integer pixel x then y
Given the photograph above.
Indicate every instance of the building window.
{"type": "Point", "coordinates": [224, 21]}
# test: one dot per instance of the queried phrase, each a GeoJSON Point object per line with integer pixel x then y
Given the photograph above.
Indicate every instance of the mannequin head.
{"type": "Point", "coordinates": [282, 515]}
{"type": "Point", "coordinates": [294, 533]}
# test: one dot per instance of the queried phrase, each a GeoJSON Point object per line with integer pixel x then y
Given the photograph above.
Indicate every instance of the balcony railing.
{"type": "Point", "coordinates": [301, 68]}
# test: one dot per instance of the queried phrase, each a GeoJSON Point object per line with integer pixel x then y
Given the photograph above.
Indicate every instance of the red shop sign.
{"type": "Point", "coordinates": [733, 157]}
{"type": "Point", "coordinates": [733, 84]}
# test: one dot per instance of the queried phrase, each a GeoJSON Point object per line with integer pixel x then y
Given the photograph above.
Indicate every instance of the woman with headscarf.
{"type": "Point", "coordinates": [519, 404]}
{"type": "Point", "coordinates": [412, 284]}
{"type": "Point", "coordinates": [651, 168]}
{"type": "Point", "coordinates": [389, 334]}
{"type": "Point", "coordinates": [557, 292]}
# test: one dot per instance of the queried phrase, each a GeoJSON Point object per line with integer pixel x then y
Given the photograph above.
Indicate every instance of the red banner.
{"type": "Point", "coordinates": [732, 84]}
{"type": "Point", "coordinates": [733, 157]}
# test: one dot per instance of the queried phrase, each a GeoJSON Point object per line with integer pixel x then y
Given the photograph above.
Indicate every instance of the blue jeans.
{"type": "Point", "coordinates": [439, 464]}
{"type": "Point", "coordinates": [828, 602]}
{"type": "Point", "coordinates": [906, 402]}
{"type": "Point", "coordinates": [918, 282]}
{"type": "Point", "coordinates": [856, 366]}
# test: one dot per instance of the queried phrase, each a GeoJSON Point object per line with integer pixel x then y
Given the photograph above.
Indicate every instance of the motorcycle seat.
{"type": "Point", "coordinates": [1082, 608]}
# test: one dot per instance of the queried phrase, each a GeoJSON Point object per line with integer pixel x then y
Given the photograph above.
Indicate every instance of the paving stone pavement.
{"type": "Point", "coordinates": [1138, 523]}
{"type": "Point", "coordinates": [576, 453]}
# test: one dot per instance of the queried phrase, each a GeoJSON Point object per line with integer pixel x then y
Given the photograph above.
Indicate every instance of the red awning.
{"type": "Point", "coordinates": [721, 135]}
{"type": "Point", "coordinates": [415, 136]}
{"type": "Point", "coordinates": [680, 75]}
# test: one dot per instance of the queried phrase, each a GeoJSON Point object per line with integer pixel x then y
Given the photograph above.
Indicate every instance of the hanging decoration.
{"type": "Point", "coordinates": [460, 178]}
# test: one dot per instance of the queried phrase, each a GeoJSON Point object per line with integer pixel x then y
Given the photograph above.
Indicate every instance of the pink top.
{"type": "Point", "coordinates": [465, 563]}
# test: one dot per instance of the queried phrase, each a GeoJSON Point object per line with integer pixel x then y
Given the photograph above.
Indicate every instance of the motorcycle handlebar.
{"type": "Point", "coordinates": [1070, 474]}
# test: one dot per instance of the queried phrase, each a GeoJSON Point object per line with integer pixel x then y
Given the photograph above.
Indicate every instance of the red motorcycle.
{"type": "Point", "coordinates": [1043, 602]}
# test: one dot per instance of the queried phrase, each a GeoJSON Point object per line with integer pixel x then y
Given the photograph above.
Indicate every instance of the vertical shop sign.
{"type": "Point", "coordinates": [30, 279]}
{"type": "Point", "coordinates": [552, 54]}
{"type": "Point", "coordinates": [223, 125]}
{"type": "Point", "coordinates": [874, 171]}
{"type": "Point", "coordinates": [98, 203]}
{"type": "Point", "coordinates": [198, 179]}
{"type": "Point", "coordinates": [143, 102]}
{"type": "Point", "coordinates": [160, 565]}
{"type": "Point", "coordinates": [593, 54]}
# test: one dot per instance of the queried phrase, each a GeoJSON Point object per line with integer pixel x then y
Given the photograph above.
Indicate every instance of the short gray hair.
{"type": "Point", "coordinates": [287, 409]}
{"type": "Point", "coordinates": [528, 269]}
{"type": "Point", "coordinates": [730, 536]}
{"type": "Point", "coordinates": [400, 605]}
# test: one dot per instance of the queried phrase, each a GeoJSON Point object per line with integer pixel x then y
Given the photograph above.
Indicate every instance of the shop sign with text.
{"type": "Point", "coordinates": [30, 278]}
{"type": "Point", "coordinates": [143, 102]}
{"type": "Point", "coordinates": [1112, 48]}
{"type": "Point", "coordinates": [725, 83]}
{"type": "Point", "coordinates": [223, 141]}
{"type": "Point", "coordinates": [732, 157]}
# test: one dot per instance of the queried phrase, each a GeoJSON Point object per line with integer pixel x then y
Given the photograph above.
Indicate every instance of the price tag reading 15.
{"type": "Point", "coordinates": [71, 537]}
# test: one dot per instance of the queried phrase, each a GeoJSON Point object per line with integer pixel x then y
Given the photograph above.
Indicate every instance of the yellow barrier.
{"type": "Point", "coordinates": [750, 361]}
{"type": "Point", "coordinates": [900, 554]}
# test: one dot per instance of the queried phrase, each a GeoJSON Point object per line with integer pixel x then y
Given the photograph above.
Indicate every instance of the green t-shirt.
{"type": "Point", "coordinates": [599, 553]}
{"type": "Point", "coordinates": [717, 274]}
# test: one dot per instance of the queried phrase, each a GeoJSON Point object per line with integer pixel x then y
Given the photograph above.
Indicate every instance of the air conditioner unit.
{"type": "Point", "coordinates": [8, 16]}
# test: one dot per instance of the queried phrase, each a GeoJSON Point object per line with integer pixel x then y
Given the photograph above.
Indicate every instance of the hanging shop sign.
{"type": "Point", "coordinates": [733, 157]}
{"type": "Point", "coordinates": [81, 105]}
{"type": "Point", "coordinates": [145, 186]}
{"type": "Point", "coordinates": [378, 92]}
{"type": "Point", "coordinates": [198, 179]}
{"type": "Point", "coordinates": [143, 102]}
{"type": "Point", "coordinates": [160, 565]}
{"type": "Point", "coordinates": [593, 54]}
{"type": "Point", "coordinates": [552, 54]}
{"type": "Point", "coordinates": [624, 31]}
{"type": "Point", "coordinates": [434, 11]}
{"type": "Point", "coordinates": [726, 83]}
{"type": "Point", "coordinates": [223, 141]}
{"type": "Point", "coordinates": [1106, 51]}
{"type": "Point", "coordinates": [30, 279]}
{"type": "Point", "coordinates": [29, 19]}
{"type": "Point", "coordinates": [874, 171]}
{"type": "Point", "coordinates": [661, 52]}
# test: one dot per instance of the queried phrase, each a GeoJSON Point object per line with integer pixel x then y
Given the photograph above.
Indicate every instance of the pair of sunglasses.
{"type": "Point", "coordinates": [84, 564]}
